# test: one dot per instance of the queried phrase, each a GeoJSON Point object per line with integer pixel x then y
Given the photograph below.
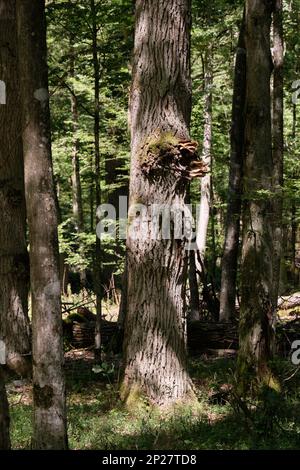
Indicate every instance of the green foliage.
{"type": "Point", "coordinates": [97, 420]}
{"type": "Point", "coordinates": [69, 23]}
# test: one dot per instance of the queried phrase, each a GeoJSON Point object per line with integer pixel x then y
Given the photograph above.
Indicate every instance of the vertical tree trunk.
{"type": "Point", "coordinates": [294, 210]}
{"type": "Point", "coordinates": [194, 313]}
{"type": "Point", "coordinates": [49, 417]}
{"type": "Point", "coordinates": [160, 105]}
{"type": "Point", "coordinates": [232, 228]}
{"type": "Point", "coordinates": [14, 264]}
{"type": "Point", "coordinates": [278, 141]}
{"type": "Point", "coordinates": [76, 182]}
{"type": "Point", "coordinates": [257, 308]}
{"type": "Point", "coordinates": [206, 181]}
{"type": "Point", "coordinates": [98, 260]}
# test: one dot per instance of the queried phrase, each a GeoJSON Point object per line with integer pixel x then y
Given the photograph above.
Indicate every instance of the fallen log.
{"type": "Point", "coordinates": [290, 301]}
{"type": "Point", "coordinates": [219, 339]}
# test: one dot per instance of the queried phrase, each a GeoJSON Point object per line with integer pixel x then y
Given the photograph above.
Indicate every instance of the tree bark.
{"type": "Point", "coordinates": [257, 307]}
{"type": "Point", "coordinates": [49, 416]}
{"type": "Point", "coordinates": [160, 107]}
{"type": "Point", "coordinates": [4, 416]}
{"type": "Point", "coordinates": [278, 140]}
{"type": "Point", "coordinates": [232, 228]}
{"type": "Point", "coordinates": [14, 263]}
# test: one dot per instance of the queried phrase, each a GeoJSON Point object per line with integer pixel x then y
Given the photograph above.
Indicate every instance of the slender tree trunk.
{"type": "Point", "coordinates": [294, 209]}
{"type": "Point", "coordinates": [98, 260]}
{"type": "Point", "coordinates": [257, 308]}
{"type": "Point", "coordinates": [76, 182]}
{"type": "Point", "coordinates": [14, 263]}
{"type": "Point", "coordinates": [49, 416]}
{"type": "Point", "coordinates": [4, 415]}
{"type": "Point", "coordinates": [206, 181]}
{"type": "Point", "coordinates": [160, 105]}
{"type": "Point", "coordinates": [194, 313]}
{"type": "Point", "coordinates": [232, 228]}
{"type": "Point", "coordinates": [91, 195]}
{"type": "Point", "coordinates": [278, 141]}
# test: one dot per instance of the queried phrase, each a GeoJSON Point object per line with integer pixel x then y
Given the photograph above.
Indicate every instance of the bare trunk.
{"type": "Point", "coordinates": [278, 142]}
{"type": "Point", "coordinates": [98, 260]}
{"type": "Point", "coordinates": [160, 105]}
{"type": "Point", "coordinates": [232, 228]}
{"type": "Point", "coordinates": [49, 417]}
{"type": "Point", "coordinates": [76, 182]}
{"type": "Point", "coordinates": [257, 307]}
{"type": "Point", "coordinates": [14, 263]}
{"type": "Point", "coordinates": [206, 181]}
{"type": "Point", "coordinates": [294, 223]}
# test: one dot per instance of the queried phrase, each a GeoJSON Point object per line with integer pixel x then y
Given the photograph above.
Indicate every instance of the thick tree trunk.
{"type": "Point", "coordinates": [49, 417]}
{"type": "Point", "coordinates": [14, 264]}
{"type": "Point", "coordinates": [98, 260]}
{"type": "Point", "coordinates": [4, 416]}
{"type": "Point", "coordinates": [257, 306]}
{"type": "Point", "coordinates": [232, 228]}
{"type": "Point", "coordinates": [160, 105]}
{"type": "Point", "coordinates": [278, 140]}
{"type": "Point", "coordinates": [206, 181]}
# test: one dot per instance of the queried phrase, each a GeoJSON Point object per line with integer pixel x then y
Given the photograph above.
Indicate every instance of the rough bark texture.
{"type": "Point", "coordinates": [278, 140]}
{"type": "Point", "coordinates": [4, 416]}
{"type": "Point", "coordinates": [257, 307]}
{"type": "Point", "coordinates": [206, 181]}
{"type": "Point", "coordinates": [232, 227]}
{"type": "Point", "coordinates": [49, 417]}
{"type": "Point", "coordinates": [155, 329]}
{"type": "Point", "coordinates": [14, 265]}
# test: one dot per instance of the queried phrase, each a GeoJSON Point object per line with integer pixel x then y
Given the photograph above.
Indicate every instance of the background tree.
{"type": "Point", "coordinates": [256, 326]}
{"type": "Point", "coordinates": [232, 225]}
{"type": "Point", "coordinates": [160, 107]}
{"type": "Point", "coordinates": [14, 266]}
{"type": "Point", "coordinates": [278, 139]}
{"type": "Point", "coordinates": [49, 418]}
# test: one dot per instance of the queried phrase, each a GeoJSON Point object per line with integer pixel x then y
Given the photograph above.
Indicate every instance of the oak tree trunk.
{"type": "Point", "coordinates": [160, 106]}
{"type": "Point", "coordinates": [257, 307]}
{"type": "Point", "coordinates": [49, 416]}
{"type": "Point", "coordinates": [232, 227]}
{"type": "Point", "coordinates": [14, 264]}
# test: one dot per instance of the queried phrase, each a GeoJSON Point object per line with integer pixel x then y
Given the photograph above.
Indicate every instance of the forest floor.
{"type": "Point", "coordinates": [98, 420]}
